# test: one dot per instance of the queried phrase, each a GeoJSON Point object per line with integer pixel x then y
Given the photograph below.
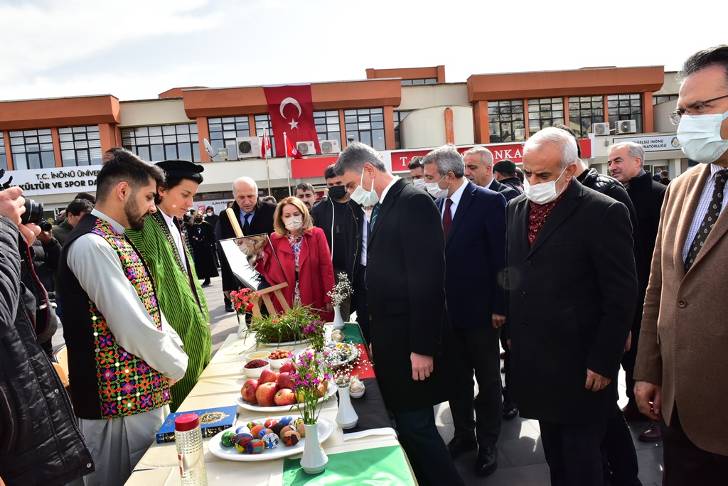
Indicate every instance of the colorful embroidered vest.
{"type": "Point", "coordinates": [127, 384]}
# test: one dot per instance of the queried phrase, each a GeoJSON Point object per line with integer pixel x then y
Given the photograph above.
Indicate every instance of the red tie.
{"type": "Point", "coordinates": [447, 217]}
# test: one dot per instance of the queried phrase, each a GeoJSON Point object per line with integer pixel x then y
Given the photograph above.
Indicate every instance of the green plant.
{"type": "Point", "coordinates": [283, 328]}
{"type": "Point", "coordinates": [311, 380]}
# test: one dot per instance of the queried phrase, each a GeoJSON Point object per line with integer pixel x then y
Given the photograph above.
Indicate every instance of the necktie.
{"type": "Point", "coordinates": [246, 223]}
{"type": "Point", "coordinates": [711, 216]}
{"type": "Point", "coordinates": [447, 217]}
{"type": "Point", "coordinates": [373, 218]}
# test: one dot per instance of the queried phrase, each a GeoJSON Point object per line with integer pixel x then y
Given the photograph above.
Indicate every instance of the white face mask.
{"type": "Point", "coordinates": [699, 136]}
{"type": "Point", "coordinates": [435, 190]}
{"type": "Point", "coordinates": [293, 223]}
{"type": "Point", "coordinates": [419, 183]}
{"type": "Point", "coordinates": [362, 197]}
{"type": "Point", "coordinates": [542, 193]}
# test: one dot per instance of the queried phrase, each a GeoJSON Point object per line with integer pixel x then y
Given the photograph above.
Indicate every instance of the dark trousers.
{"type": "Point", "coordinates": [574, 452]}
{"type": "Point", "coordinates": [687, 464]}
{"type": "Point", "coordinates": [620, 453]}
{"type": "Point", "coordinates": [359, 301]}
{"type": "Point", "coordinates": [628, 361]}
{"type": "Point", "coordinates": [425, 449]}
{"type": "Point", "coordinates": [507, 397]}
{"type": "Point", "coordinates": [475, 350]}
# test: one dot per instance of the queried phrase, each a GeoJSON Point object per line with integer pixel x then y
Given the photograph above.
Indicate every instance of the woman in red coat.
{"type": "Point", "coordinates": [305, 261]}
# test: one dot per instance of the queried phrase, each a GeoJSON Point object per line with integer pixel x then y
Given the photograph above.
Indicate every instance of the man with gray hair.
{"type": "Point", "coordinates": [254, 216]}
{"type": "Point", "coordinates": [405, 280]}
{"type": "Point", "coordinates": [572, 290]}
{"type": "Point", "coordinates": [473, 220]}
{"type": "Point", "coordinates": [626, 163]}
{"type": "Point", "coordinates": [479, 169]}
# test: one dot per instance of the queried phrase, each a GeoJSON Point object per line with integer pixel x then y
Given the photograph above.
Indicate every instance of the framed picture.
{"type": "Point", "coordinates": [243, 254]}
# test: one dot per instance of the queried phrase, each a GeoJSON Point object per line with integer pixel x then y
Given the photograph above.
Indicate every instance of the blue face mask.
{"type": "Point", "coordinates": [699, 136]}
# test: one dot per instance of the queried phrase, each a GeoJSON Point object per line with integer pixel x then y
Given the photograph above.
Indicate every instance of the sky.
{"type": "Point", "coordinates": [138, 49]}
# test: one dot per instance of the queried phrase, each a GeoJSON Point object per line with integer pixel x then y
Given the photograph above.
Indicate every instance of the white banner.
{"type": "Point", "coordinates": [58, 180]}
{"type": "Point", "coordinates": [654, 143]}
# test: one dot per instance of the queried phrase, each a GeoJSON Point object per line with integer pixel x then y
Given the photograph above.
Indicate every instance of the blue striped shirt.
{"type": "Point", "coordinates": [702, 208]}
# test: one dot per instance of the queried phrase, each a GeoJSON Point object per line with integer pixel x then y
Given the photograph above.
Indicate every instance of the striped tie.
{"type": "Point", "coordinates": [716, 204]}
{"type": "Point", "coordinates": [375, 213]}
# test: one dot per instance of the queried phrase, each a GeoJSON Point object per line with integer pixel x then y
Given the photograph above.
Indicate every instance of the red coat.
{"type": "Point", "coordinates": [316, 273]}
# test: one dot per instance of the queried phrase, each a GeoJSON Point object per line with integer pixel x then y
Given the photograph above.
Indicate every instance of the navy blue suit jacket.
{"type": "Point", "coordinates": [475, 258]}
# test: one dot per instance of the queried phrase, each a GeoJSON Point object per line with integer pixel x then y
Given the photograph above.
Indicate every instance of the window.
{"type": "Point", "coordinates": [226, 129]}
{"type": "Point", "coordinates": [327, 125]}
{"type": "Point", "coordinates": [366, 125]}
{"type": "Point", "coordinates": [625, 107]}
{"type": "Point", "coordinates": [3, 157]}
{"type": "Point", "coordinates": [505, 119]}
{"type": "Point", "coordinates": [80, 145]}
{"type": "Point", "coordinates": [419, 82]}
{"type": "Point", "coordinates": [544, 112]}
{"type": "Point", "coordinates": [585, 111]}
{"type": "Point", "coordinates": [261, 123]}
{"type": "Point", "coordinates": [398, 117]}
{"type": "Point", "coordinates": [163, 142]}
{"type": "Point", "coordinates": [656, 100]}
{"type": "Point", "coordinates": [32, 149]}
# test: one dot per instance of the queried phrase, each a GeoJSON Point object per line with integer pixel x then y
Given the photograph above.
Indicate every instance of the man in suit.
{"type": "Point", "coordinates": [572, 290]}
{"type": "Point", "coordinates": [479, 169]}
{"type": "Point", "coordinates": [406, 300]}
{"type": "Point", "coordinates": [473, 221]}
{"type": "Point", "coordinates": [682, 365]}
{"type": "Point", "coordinates": [255, 217]}
{"type": "Point", "coordinates": [625, 162]}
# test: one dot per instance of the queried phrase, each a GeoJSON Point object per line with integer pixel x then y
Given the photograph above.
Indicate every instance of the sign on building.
{"type": "Point", "coordinates": [57, 180]}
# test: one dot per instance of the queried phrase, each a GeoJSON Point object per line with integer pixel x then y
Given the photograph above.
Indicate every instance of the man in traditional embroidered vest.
{"type": "Point", "coordinates": [123, 356]}
{"type": "Point", "coordinates": [166, 253]}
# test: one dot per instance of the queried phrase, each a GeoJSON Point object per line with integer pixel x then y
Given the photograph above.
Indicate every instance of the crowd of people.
{"type": "Point", "coordinates": [564, 273]}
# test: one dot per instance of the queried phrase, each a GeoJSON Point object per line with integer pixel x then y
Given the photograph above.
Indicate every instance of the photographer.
{"type": "Point", "coordinates": [39, 440]}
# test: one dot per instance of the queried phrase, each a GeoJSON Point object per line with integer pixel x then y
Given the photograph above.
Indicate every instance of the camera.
{"type": "Point", "coordinates": [45, 225]}
{"type": "Point", "coordinates": [33, 212]}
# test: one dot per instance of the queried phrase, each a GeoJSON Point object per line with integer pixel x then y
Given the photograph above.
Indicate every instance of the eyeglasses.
{"type": "Point", "coordinates": [696, 107]}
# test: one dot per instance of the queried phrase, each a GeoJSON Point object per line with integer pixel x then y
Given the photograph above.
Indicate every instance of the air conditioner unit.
{"type": "Point", "coordinates": [248, 147]}
{"type": "Point", "coordinates": [330, 147]}
{"type": "Point", "coordinates": [627, 126]}
{"type": "Point", "coordinates": [600, 129]}
{"type": "Point", "coordinates": [306, 148]}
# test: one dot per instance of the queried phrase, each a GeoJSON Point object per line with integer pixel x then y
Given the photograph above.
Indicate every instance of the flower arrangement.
{"type": "Point", "coordinates": [296, 324]}
{"type": "Point", "coordinates": [311, 381]}
{"type": "Point", "coordinates": [315, 332]}
{"type": "Point", "coordinates": [242, 300]}
{"type": "Point", "coordinates": [341, 291]}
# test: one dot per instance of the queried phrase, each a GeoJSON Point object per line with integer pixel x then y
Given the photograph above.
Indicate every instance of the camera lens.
{"type": "Point", "coordinates": [33, 212]}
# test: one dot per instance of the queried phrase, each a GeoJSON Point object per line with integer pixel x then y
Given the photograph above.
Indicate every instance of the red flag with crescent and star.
{"type": "Point", "coordinates": [291, 111]}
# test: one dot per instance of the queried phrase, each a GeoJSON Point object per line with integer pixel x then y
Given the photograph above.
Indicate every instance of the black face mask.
{"type": "Point", "coordinates": [337, 192]}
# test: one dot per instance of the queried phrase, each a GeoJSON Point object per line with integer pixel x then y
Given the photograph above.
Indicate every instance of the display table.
{"type": "Point", "coordinates": [369, 453]}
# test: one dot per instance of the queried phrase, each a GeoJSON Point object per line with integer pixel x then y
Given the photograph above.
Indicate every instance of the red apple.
{"type": "Point", "coordinates": [285, 381]}
{"type": "Point", "coordinates": [248, 391]}
{"type": "Point", "coordinates": [288, 367]}
{"type": "Point", "coordinates": [267, 376]}
{"type": "Point", "coordinates": [285, 396]}
{"type": "Point", "coordinates": [265, 394]}
{"type": "Point", "coordinates": [322, 388]}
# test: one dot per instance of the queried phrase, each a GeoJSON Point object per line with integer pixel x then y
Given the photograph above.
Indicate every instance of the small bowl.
{"type": "Point", "coordinates": [357, 395]}
{"type": "Point", "coordinates": [256, 372]}
{"type": "Point", "coordinates": [277, 363]}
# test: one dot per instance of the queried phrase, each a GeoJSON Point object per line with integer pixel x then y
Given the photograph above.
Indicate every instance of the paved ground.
{"type": "Point", "coordinates": [520, 454]}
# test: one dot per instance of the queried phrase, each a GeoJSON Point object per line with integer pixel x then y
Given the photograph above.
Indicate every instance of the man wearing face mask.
{"type": "Point", "coordinates": [572, 291]}
{"type": "Point", "coordinates": [406, 299]}
{"type": "Point", "coordinates": [416, 172]}
{"type": "Point", "coordinates": [341, 220]}
{"type": "Point", "coordinates": [682, 366]}
{"type": "Point", "coordinates": [473, 220]}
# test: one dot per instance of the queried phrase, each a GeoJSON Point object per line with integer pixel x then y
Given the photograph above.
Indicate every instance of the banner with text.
{"type": "Point", "coordinates": [56, 180]}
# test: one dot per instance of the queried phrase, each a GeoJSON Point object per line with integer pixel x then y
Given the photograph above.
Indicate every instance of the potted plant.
{"type": "Point", "coordinates": [242, 301]}
{"type": "Point", "coordinates": [287, 327]}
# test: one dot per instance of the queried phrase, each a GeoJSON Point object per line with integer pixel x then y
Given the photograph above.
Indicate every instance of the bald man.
{"type": "Point", "coordinates": [254, 215]}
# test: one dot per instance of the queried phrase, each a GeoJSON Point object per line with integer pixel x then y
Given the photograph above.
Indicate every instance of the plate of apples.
{"type": "Point", "coordinates": [274, 391]}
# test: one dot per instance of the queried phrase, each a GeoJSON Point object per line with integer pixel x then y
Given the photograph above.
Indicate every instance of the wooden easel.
{"type": "Point", "coordinates": [264, 294]}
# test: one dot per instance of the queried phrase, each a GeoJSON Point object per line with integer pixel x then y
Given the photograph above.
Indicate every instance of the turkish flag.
{"type": "Point", "coordinates": [291, 150]}
{"type": "Point", "coordinates": [265, 145]}
{"type": "Point", "coordinates": [291, 111]}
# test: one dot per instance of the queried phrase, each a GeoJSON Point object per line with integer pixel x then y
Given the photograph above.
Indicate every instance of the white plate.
{"type": "Point", "coordinates": [289, 343]}
{"type": "Point", "coordinates": [325, 428]}
{"type": "Point", "coordinates": [352, 358]}
{"type": "Point", "coordinates": [331, 391]}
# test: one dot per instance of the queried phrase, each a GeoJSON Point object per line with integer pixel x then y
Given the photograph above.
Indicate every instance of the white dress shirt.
{"type": "Point", "coordinates": [702, 208]}
{"type": "Point", "coordinates": [455, 198]}
{"type": "Point", "coordinates": [176, 236]}
{"type": "Point", "coordinates": [98, 269]}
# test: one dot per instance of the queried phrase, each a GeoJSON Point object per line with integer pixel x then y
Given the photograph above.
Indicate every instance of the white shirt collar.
{"type": "Point", "coordinates": [115, 225]}
{"type": "Point", "coordinates": [714, 168]}
{"type": "Point", "coordinates": [386, 189]}
{"type": "Point", "coordinates": [168, 219]}
{"type": "Point", "coordinates": [459, 192]}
